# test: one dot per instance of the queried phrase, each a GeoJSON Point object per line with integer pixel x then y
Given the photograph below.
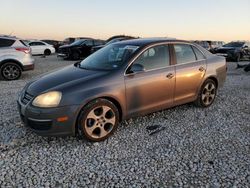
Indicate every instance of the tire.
{"type": "Point", "coordinates": [237, 58]}
{"type": "Point", "coordinates": [75, 56]}
{"type": "Point", "coordinates": [47, 52]}
{"type": "Point", "coordinates": [247, 68]}
{"type": "Point", "coordinates": [207, 94]}
{"type": "Point", "coordinates": [98, 120]}
{"type": "Point", "coordinates": [11, 71]}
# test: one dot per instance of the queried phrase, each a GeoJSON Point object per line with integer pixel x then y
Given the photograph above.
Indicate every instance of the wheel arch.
{"type": "Point", "coordinates": [111, 99]}
{"type": "Point", "coordinates": [11, 61]}
{"type": "Point", "coordinates": [211, 77]}
{"type": "Point", "coordinates": [214, 79]}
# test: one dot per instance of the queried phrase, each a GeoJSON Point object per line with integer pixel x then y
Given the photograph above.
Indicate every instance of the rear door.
{"type": "Point", "coordinates": [190, 69]}
{"type": "Point", "coordinates": [152, 89]}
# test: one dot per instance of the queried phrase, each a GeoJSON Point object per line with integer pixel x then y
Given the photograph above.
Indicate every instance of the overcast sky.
{"type": "Point", "coordinates": [184, 19]}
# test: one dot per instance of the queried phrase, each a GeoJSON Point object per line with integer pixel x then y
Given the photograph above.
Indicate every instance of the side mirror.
{"type": "Point", "coordinates": [135, 68]}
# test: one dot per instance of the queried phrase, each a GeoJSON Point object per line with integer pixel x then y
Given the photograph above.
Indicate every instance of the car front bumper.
{"type": "Point", "coordinates": [62, 55]}
{"type": "Point", "coordinates": [44, 121]}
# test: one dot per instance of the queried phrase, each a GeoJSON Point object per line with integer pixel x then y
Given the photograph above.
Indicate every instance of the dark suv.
{"type": "Point", "coordinates": [118, 39]}
{"type": "Point", "coordinates": [234, 51]}
{"type": "Point", "coordinates": [78, 49]}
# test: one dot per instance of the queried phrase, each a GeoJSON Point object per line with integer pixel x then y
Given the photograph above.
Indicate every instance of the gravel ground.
{"type": "Point", "coordinates": [194, 147]}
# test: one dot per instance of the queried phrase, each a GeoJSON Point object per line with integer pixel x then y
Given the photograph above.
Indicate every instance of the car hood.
{"type": "Point", "coordinates": [63, 77]}
{"type": "Point", "coordinates": [227, 48]}
{"type": "Point", "coordinates": [65, 46]}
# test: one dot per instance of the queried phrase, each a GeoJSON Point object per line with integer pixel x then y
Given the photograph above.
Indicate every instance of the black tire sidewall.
{"type": "Point", "coordinates": [75, 55]}
{"type": "Point", "coordinates": [10, 63]}
{"type": "Point", "coordinates": [85, 111]}
{"type": "Point", "coordinates": [47, 52]}
{"type": "Point", "coordinates": [199, 101]}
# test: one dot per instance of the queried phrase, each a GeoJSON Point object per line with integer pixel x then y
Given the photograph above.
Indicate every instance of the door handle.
{"type": "Point", "coordinates": [201, 69]}
{"type": "Point", "coordinates": [170, 75]}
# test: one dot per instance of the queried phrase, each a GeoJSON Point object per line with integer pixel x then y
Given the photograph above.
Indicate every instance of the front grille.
{"type": "Point", "coordinates": [26, 98]}
{"type": "Point", "coordinates": [39, 125]}
{"type": "Point", "coordinates": [63, 50]}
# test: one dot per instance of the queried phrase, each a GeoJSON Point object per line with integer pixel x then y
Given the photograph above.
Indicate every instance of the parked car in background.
{"type": "Point", "coordinates": [70, 40]}
{"type": "Point", "coordinates": [118, 39]}
{"type": "Point", "coordinates": [234, 51]}
{"type": "Point", "coordinates": [78, 49]}
{"type": "Point", "coordinates": [15, 57]}
{"type": "Point", "coordinates": [91, 97]}
{"type": "Point", "coordinates": [41, 48]}
{"type": "Point", "coordinates": [209, 45]}
{"type": "Point", "coordinates": [56, 44]}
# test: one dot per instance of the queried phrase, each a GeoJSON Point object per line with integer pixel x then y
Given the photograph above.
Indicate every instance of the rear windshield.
{"type": "Point", "coordinates": [6, 42]}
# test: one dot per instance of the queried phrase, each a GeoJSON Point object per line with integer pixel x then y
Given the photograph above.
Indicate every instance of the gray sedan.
{"type": "Point", "coordinates": [122, 80]}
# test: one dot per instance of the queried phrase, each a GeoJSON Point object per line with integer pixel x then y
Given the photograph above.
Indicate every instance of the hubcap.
{"type": "Point", "coordinates": [208, 94]}
{"type": "Point", "coordinates": [11, 72]}
{"type": "Point", "coordinates": [100, 122]}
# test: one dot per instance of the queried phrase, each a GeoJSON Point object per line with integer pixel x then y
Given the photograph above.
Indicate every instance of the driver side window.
{"type": "Point", "coordinates": [154, 58]}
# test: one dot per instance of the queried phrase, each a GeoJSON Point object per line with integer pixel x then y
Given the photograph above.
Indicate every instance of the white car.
{"type": "Point", "coordinates": [15, 58]}
{"type": "Point", "coordinates": [41, 48]}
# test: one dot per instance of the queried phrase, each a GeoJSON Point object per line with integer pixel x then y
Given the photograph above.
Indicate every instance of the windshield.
{"type": "Point", "coordinates": [114, 40]}
{"type": "Point", "coordinates": [78, 42]}
{"type": "Point", "coordinates": [109, 58]}
{"type": "Point", "coordinates": [234, 44]}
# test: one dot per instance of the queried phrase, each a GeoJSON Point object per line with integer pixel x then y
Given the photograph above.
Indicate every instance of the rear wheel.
{"type": "Point", "coordinates": [47, 52]}
{"type": "Point", "coordinates": [98, 120]}
{"type": "Point", "coordinates": [207, 94]}
{"type": "Point", "coordinates": [11, 71]}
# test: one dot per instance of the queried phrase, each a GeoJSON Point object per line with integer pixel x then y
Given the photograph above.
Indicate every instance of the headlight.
{"type": "Point", "coordinates": [46, 100]}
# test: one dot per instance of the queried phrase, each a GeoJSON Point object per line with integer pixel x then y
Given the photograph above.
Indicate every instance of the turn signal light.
{"type": "Point", "coordinates": [62, 119]}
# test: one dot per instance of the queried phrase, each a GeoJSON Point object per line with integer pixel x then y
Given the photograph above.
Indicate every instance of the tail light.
{"type": "Point", "coordinates": [25, 50]}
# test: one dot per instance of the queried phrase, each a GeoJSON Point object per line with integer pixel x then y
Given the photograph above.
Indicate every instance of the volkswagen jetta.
{"type": "Point", "coordinates": [119, 81]}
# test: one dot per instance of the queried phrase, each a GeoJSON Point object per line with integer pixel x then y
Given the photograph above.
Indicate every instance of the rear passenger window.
{"type": "Point", "coordinates": [36, 44]}
{"type": "Point", "coordinates": [6, 42]}
{"type": "Point", "coordinates": [199, 55]}
{"type": "Point", "coordinates": [154, 58]}
{"type": "Point", "coordinates": [98, 42]}
{"type": "Point", "coordinates": [184, 53]}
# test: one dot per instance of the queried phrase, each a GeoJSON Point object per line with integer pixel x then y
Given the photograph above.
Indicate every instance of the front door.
{"type": "Point", "coordinates": [152, 89]}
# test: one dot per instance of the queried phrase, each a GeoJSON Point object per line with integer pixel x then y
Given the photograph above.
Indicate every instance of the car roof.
{"type": "Point", "coordinates": [149, 41]}
{"type": "Point", "coordinates": [9, 37]}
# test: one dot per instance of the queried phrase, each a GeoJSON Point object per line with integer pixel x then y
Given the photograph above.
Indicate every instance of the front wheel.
{"type": "Point", "coordinates": [237, 58]}
{"type": "Point", "coordinates": [98, 120]}
{"type": "Point", "coordinates": [75, 56]}
{"type": "Point", "coordinates": [207, 94]}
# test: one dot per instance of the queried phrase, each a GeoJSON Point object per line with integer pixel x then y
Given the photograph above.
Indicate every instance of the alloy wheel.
{"type": "Point", "coordinates": [208, 93]}
{"type": "Point", "coordinates": [11, 72]}
{"type": "Point", "coordinates": [100, 121]}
